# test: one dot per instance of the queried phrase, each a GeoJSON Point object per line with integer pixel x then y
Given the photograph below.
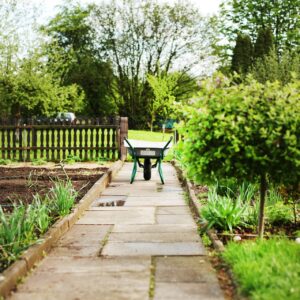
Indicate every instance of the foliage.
{"type": "Point", "coordinates": [23, 226]}
{"type": "Point", "coordinates": [277, 212]}
{"type": "Point", "coordinates": [244, 131]}
{"type": "Point", "coordinates": [38, 162]}
{"type": "Point", "coordinates": [271, 67]}
{"type": "Point", "coordinates": [223, 212]}
{"type": "Point", "coordinates": [264, 43]}
{"type": "Point", "coordinates": [249, 16]}
{"type": "Point", "coordinates": [75, 37]}
{"type": "Point", "coordinates": [5, 161]}
{"type": "Point", "coordinates": [62, 197]}
{"type": "Point", "coordinates": [266, 269]}
{"type": "Point", "coordinates": [144, 37]}
{"type": "Point", "coordinates": [71, 159]}
{"type": "Point", "coordinates": [163, 87]}
{"type": "Point", "coordinates": [242, 54]}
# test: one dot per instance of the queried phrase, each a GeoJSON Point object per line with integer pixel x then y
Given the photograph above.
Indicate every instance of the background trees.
{"type": "Point", "coordinates": [72, 35]}
{"type": "Point", "coordinates": [143, 37]}
{"type": "Point", "coordinates": [272, 27]}
{"type": "Point", "coordinates": [28, 86]}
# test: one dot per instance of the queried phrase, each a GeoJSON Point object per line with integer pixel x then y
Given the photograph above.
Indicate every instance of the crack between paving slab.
{"type": "Point", "coordinates": [105, 239]}
{"type": "Point", "coordinates": [152, 278]}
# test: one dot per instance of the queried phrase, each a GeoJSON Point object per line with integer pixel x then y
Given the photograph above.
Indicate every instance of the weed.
{"type": "Point", "coordinates": [206, 240]}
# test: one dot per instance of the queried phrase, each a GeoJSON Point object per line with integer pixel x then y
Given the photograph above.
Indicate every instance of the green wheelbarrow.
{"type": "Point", "coordinates": [147, 151]}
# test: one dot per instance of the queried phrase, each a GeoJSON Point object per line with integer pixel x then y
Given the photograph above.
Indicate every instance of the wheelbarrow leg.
{"type": "Point", "coordinates": [133, 170]}
{"type": "Point", "coordinates": [160, 172]}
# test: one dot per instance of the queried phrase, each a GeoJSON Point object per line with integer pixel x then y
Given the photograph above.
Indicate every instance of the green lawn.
{"type": "Point", "coordinates": [267, 269]}
{"type": "Point", "coordinates": [152, 137]}
{"type": "Point", "coordinates": [149, 136]}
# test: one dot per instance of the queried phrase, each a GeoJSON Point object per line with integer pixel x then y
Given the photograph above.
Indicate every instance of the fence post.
{"type": "Point", "coordinates": [123, 134]}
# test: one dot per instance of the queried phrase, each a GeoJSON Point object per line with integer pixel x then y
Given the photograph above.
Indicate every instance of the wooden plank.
{"type": "Point", "coordinates": [102, 141]}
{"type": "Point", "coordinates": [108, 140]}
{"type": "Point", "coordinates": [14, 137]}
{"type": "Point", "coordinates": [80, 143]}
{"type": "Point", "coordinates": [86, 132]}
{"type": "Point", "coordinates": [2, 143]}
{"type": "Point", "coordinates": [20, 144]}
{"type": "Point", "coordinates": [28, 132]}
{"type": "Point", "coordinates": [52, 144]}
{"type": "Point", "coordinates": [42, 146]}
{"type": "Point", "coordinates": [64, 143]}
{"type": "Point", "coordinates": [8, 152]}
{"type": "Point", "coordinates": [47, 132]}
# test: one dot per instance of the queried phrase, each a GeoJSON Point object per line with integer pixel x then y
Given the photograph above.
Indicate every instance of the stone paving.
{"type": "Point", "coordinates": [148, 248]}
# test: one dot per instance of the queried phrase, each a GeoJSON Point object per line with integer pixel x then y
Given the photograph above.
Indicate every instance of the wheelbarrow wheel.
{"type": "Point", "coordinates": [147, 169]}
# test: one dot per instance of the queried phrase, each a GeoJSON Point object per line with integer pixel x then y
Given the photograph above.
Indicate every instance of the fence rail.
{"type": "Point", "coordinates": [85, 139]}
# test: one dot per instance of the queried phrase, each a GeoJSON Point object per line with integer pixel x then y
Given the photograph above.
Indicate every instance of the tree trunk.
{"type": "Point", "coordinates": [261, 217]}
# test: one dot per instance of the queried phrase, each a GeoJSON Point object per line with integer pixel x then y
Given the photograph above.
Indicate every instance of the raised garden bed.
{"type": "Point", "coordinates": [24, 263]}
{"type": "Point", "coordinates": [20, 184]}
{"type": "Point", "coordinates": [233, 279]}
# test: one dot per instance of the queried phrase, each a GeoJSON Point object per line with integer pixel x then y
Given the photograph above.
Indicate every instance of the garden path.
{"type": "Point", "coordinates": [148, 248]}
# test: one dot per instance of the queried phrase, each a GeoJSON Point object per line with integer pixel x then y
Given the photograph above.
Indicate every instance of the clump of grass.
{"type": "Point", "coordinates": [223, 212]}
{"type": "Point", "coordinates": [38, 162]}
{"type": "Point", "coordinates": [266, 269]}
{"type": "Point", "coordinates": [71, 159]}
{"type": "Point", "coordinates": [5, 161]}
{"type": "Point", "coordinates": [62, 197]}
{"type": "Point", "coordinates": [23, 226]}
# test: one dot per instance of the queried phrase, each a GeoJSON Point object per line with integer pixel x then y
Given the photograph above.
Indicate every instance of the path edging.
{"type": "Point", "coordinates": [10, 277]}
{"type": "Point", "coordinates": [196, 206]}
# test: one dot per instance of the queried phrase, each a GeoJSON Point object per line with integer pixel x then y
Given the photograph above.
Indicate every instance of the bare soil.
{"type": "Point", "coordinates": [22, 183]}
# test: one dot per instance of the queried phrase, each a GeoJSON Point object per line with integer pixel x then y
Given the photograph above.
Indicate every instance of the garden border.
{"type": "Point", "coordinates": [10, 277]}
{"type": "Point", "coordinates": [196, 206]}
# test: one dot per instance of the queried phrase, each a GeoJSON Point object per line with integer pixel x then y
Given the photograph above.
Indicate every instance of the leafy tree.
{"type": "Point", "coordinates": [144, 37]}
{"type": "Point", "coordinates": [248, 131]}
{"type": "Point", "coordinates": [264, 43]}
{"type": "Point", "coordinates": [242, 54]}
{"type": "Point", "coordinates": [74, 36]}
{"type": "Point", "coordinates": [271, 67]}
{"type": "Point", "coordinates": [248, 16]}
{"type": "Point", "coordinates": [33, 89]}
{"type": "Point", "coordinates": [163, 87]}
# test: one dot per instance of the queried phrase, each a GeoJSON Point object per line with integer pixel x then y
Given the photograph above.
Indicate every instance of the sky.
{"type": "Point", "coordinates": [49, 7]}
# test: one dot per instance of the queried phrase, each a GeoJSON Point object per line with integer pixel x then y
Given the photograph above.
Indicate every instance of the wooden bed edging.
{"type": "Point", "coordinates": [10, 277]}
{"type": "Point", "coordinates": [196, 206]}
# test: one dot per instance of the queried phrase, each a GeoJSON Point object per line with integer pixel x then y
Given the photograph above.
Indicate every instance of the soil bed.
{"type": "Point", "coordinates": [22, 183]}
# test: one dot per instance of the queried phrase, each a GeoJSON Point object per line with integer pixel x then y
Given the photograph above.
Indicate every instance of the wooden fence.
{"type": "Point", "coordinates": [85, 139]}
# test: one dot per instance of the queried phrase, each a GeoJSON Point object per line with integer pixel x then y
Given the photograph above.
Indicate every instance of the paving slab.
{"type": "Point", "coordinates": [159, 228]}
{"type": "Point", "coordinates": [186, 290]}
{"type": "Point", "coordinates": [134, 216]}
{"type": "Point", "coordinates": [154, 237]}
{"type": "Point", "coordinates": [175, 219]}
{"type": "Point", "coordinates": [184, 269]}
{"type": "Point", "coordinates": [153, 249]}
{"type": "Point", "coordinates": [173, 210]}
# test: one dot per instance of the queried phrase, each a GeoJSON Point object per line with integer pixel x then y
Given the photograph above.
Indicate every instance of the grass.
{"type": "Point", "coordinates": [144, 135]}
{"type": "Point", "coordinates": [23, 226]}
{"type": "Point", "coordinates": [266, 269]}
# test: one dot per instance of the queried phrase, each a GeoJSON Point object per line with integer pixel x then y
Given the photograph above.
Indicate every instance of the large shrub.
{"type": "Point", "coordinates": [248, 131]}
